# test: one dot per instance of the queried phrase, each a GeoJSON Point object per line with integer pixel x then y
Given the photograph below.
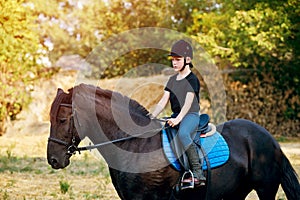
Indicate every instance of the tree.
{"type": "Point", "coordinates": [77, 27]}
{"type": "Point", "coordinates": [19, 53]}
{"type": "Point", "coordinates": [259, 36]}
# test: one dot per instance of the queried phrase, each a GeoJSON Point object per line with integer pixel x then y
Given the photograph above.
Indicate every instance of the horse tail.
{"type": "Point", "coordinates": [289, 180]}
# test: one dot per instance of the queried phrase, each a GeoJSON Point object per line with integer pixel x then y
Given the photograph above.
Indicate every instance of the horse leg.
{"type": "Point", "coordinates": [268, 191]}
{"type": "Point", "coordinates": [236, 196]}
{"type": "Point", "coordinates": [240, 194]}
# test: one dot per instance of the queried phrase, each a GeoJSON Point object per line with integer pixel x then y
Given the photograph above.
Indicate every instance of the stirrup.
{"type": "Point", "coordinates": [187, 185]}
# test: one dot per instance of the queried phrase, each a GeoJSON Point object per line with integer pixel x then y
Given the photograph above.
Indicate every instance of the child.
{"type": "Point", "coordinates": [182, 90]}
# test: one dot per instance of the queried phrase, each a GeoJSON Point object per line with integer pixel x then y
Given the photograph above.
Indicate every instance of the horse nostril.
{"type": "Point", "coordinates": [53, 161]}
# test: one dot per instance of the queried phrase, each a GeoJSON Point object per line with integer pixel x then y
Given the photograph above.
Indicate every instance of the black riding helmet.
{"type": "Point", "coordinates": [182, 48]}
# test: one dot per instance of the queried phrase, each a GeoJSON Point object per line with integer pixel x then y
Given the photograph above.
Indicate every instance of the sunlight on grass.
{"type": "Point", "coordinates": [23, 176]}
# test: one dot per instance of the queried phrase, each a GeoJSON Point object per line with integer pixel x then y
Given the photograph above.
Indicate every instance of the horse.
{"type": "Point", "coordinates": [136, 161]}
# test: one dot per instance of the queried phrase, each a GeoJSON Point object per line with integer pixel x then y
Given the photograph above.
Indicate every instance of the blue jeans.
{"type": "Point", "coordinates": [187, 128]}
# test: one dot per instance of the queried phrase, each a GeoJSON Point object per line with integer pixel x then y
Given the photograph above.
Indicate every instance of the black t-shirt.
{"type": "Point", "coordinates": [178, 90]}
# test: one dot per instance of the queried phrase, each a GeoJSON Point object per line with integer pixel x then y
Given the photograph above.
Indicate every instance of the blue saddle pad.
{"type": "Point", "coordinates": [214, 146]}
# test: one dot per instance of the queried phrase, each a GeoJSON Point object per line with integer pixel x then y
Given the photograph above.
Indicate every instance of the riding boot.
{"type": "Point", "coordinates": [195, 165]}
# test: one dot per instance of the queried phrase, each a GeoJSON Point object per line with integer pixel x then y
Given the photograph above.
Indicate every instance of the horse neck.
{"type": "Point", "coordinates": [129, 155]}
{"type": "Point", "coordinates": [106, 116]}
{"type": "Point", "coordinates": [136, 155]}
{"type": "Point", "coordinates": [121, 121]}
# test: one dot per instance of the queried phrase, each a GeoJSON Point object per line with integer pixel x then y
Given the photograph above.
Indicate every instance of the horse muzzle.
{"type": "Point", "coordinates": [57, 163]}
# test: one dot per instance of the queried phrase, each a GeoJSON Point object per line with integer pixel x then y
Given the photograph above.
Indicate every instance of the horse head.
{"type": "Point", "coordinates": [64, 138]}
{"type": "Point", "coordinates": [108, 119]}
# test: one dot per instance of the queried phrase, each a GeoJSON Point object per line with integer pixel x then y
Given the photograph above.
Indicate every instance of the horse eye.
{"type": "Point", "coordinates": [62, 120]}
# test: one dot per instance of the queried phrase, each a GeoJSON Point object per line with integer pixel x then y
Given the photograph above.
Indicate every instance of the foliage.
{"type": "Point", "coordinates": [243, 36]}
{"type": "Point", "coordinates": [263, 103]}
{"type": "Point", "coordinates": [78, 28]}
{"type": "Point", "coordinates": [19, 54]}
{"type": "Point", "coordinates": [258, 35]}
{"type": "Point", "coordinates": [123, 16]}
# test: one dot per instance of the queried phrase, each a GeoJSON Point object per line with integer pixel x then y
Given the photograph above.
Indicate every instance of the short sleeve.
{"type": "Point", "coordinates": [194, 85]}
{"type": "Point", "coordinates": [169, 84]}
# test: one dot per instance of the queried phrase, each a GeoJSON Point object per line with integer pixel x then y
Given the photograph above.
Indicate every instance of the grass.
{"type": "Point", "coordinates": [64, 186]}
{"type": "Point", "coordinates": [84, 179]}
{"type": "Point", "coordinates": [25, 173]}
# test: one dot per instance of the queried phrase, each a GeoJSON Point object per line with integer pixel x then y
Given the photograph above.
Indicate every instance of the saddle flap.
{"type": "Point", "coordinates": [214, 146]}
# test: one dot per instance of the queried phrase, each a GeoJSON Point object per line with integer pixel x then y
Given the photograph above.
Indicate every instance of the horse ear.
{"type": "Point", "coordinates": [59, 91]}
{"type": "Point", "coordinates": [70, 90]}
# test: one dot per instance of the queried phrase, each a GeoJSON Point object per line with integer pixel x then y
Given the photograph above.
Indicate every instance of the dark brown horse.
{"type": "Point", "coordinates": [131, 145]}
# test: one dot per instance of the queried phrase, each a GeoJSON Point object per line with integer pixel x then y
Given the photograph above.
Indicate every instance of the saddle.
{"type": "Point", "coordinates": [213, 150]}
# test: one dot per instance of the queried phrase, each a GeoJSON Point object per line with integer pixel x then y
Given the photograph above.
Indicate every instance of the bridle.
{"type": "Point", "coordinates": [72, 148]}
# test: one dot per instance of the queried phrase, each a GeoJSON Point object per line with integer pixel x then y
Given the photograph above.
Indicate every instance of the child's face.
{"type": "Point", "coordinates": [177, 62]}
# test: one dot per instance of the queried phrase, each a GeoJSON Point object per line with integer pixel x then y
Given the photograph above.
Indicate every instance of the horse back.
{"type": "Point", "coordinates": [247, 134]}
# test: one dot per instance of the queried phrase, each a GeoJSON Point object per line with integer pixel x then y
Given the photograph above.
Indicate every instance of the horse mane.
{"type": "Point", "coordinates": [135, 107]}
{"type": "Point", "coordinates": [92, 94]}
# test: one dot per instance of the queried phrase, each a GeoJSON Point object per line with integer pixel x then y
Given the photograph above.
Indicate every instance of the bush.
{"type": "Point", "coordinates": [19, 54]}
{"type": "Point", "coordinates": [260, 101]}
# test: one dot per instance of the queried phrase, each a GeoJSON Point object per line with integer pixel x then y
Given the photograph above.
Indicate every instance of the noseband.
{"type": "Point", "coordinates": [71, 148]}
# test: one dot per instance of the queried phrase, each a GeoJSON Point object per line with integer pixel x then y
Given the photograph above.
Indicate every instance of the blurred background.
{"type": "Point", "coordinates": [43, 44]}
{"type": "Point", "coordinates": [255, 45]}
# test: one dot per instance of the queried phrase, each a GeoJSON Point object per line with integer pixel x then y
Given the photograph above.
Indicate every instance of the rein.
{"type": "Point", "coordinates": [72, 148]}
{"type": "Point", "coordinates": [90, 147]}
